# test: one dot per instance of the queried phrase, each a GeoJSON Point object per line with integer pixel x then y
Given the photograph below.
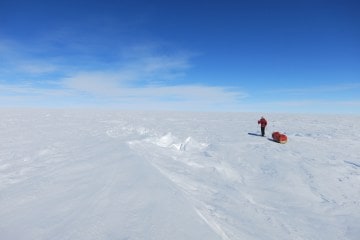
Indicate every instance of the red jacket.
{"type": "Point", "coordinates": [262, 122]}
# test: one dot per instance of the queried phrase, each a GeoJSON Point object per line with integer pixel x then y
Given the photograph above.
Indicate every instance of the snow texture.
{"type": "Point", "coordinates": [67, 174]}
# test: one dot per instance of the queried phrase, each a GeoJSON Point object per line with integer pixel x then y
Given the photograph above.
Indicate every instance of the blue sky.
{"type": "Point", "coordinates": [258, 56]}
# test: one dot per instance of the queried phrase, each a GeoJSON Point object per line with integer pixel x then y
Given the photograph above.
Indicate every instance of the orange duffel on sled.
{"type": "Point", "coordinates": [278, 137]}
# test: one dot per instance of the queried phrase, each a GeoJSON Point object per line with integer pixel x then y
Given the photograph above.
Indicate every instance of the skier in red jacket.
{"type": "Point", "coordinates": [263, 124]}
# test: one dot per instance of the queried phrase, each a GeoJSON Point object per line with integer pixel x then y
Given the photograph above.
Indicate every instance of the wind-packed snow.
{"type": "Point", "coordinates": [67, 174]}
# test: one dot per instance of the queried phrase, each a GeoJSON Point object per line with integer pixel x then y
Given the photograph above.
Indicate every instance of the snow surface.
{"type": "Point", "coordinates": [67, 174]}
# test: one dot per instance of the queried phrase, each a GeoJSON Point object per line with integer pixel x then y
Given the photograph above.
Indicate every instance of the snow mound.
{"type": "Point", "coordinates": [170, 141]}
{"type": "Point", "coordinates": [191, 144]}
{"type": "Point", "coordinates": [167, 140]}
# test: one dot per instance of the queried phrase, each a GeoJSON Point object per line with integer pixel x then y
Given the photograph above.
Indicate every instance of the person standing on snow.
{"type": "Point", "coordinates": [263, 124]}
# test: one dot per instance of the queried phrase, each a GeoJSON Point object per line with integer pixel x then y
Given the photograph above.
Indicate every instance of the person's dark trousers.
{"type": "Point", "coordinates": [262, 131]}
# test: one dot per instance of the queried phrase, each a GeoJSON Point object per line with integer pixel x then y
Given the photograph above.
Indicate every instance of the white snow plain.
{"type": "Point", "coordinates": [69, 174]}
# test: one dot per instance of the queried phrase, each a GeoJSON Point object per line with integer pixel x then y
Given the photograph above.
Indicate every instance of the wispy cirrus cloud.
{"type": "Point", "coordinates": [36, 68]}
{"type": "Point", "coordinates": [115, 88]}
{"type": "Point", "coordinates": [18, 61]}
{"type": "Point", "coordinates": [184, 97]}
{"type": "Point", "coordinates": [139, 71]}
{"type": "Point", "coordinates": [145, 77]}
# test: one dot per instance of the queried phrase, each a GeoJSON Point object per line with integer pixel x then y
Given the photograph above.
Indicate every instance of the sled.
{"type": "Point", "coordinates": [279, 137]}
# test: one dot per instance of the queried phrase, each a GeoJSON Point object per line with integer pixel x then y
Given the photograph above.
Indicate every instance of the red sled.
{"type": "Point", "coordinates": [278, 137]}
